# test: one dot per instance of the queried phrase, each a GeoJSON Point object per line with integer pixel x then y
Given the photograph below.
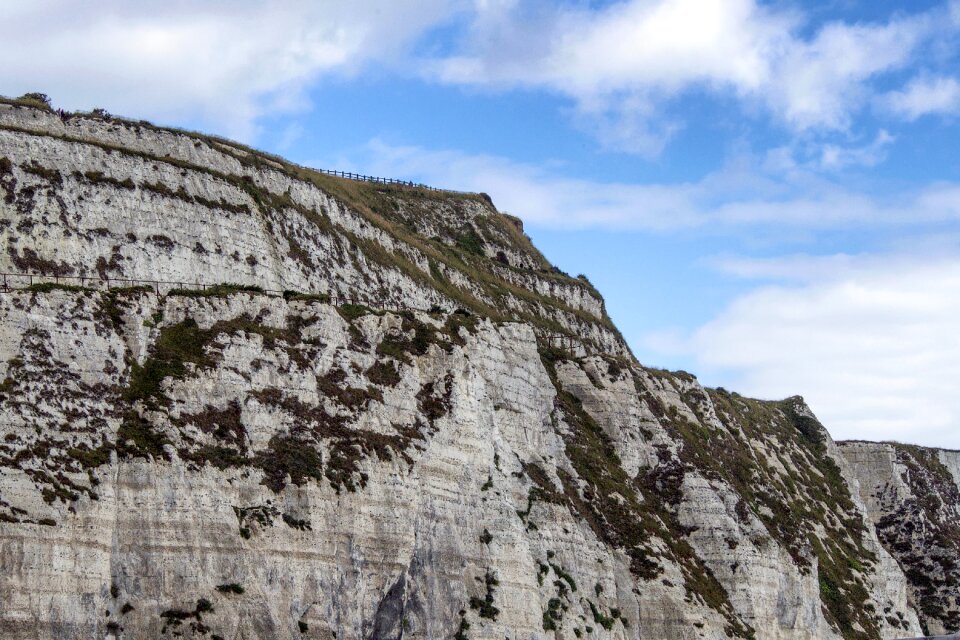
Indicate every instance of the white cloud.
{"type": "Point", "coordinates": [870, 342]}
{"type": "Point", "coordinates": [820, 82]}
{"type": "Point", "coordinates": [738, 196]}
{"type": "Point", "coordinates": [631, 58]}
{"type": "Point", "coordinates": [222, 63]}
{"type": "Point", "coordinates": [665, 43]}
{"type": "Point", "coordinates": [923, 96]}
{"type": "Point", "coordinates": [632, 123]}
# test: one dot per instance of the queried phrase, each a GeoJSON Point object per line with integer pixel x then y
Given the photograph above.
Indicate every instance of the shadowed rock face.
{"type": "Point", "coordinates": [239, 465]}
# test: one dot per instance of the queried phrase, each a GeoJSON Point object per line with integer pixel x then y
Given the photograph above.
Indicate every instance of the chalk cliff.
{"type": "Point", "coordinates": [389, 439]}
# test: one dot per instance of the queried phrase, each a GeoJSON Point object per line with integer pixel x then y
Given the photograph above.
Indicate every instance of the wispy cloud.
{"type": "Point", "coordinates": [835, 157]}
{"type": "Point", "coordinates": [806, 156]}
{"type": "Point", "coordinates": [924, 95]}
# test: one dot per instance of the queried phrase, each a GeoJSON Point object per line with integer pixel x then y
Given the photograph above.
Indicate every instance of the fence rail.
{"type": "Point", "coordinates": [377, 180]}
{"type": "Point", "coordinates": [13, 281]}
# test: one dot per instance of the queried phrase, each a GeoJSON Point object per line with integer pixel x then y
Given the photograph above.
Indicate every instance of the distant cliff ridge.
{"type": "Point", "coordinates": [279, 457]}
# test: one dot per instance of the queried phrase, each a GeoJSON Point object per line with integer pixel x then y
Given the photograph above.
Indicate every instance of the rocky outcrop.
{"type": "Point", "coordinates": [233, 463]}
{"type": "Point", "coordinates": [912, 495]}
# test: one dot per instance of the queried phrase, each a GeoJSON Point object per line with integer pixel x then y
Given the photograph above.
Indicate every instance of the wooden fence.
{"type": "Point", "coordinates": [363, 178]}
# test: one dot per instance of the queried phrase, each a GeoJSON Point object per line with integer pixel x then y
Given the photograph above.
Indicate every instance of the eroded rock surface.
{"type": "Point", "coordinates": [913, 498]}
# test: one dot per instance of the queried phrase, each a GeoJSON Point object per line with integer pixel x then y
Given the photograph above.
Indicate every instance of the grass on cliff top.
{"type": "Point", "coordinates": [373, 201]}
{"type": "Point", "coordinates": [30, 100]}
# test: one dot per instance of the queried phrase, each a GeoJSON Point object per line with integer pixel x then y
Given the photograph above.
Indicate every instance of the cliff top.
{"type": "Point", "coordinates": [455, 245]}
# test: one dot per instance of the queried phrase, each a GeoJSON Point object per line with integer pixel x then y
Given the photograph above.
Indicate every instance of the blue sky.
{"type": "Point", "coordinates": [767, 193]}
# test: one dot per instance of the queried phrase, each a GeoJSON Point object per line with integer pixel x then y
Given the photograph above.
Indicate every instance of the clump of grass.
{"type": "Point", "coordinates": [36, 100]}
{"type": "Point", "coordinates": [383, 373]}
{"type": "Point", "coordinates": [217, 290]}
{"type": "Point", "coordinates": [289, 455]}
{"type": "Point", "coordinates": [136, 438]}
{"type": "Point", "coordinates": [289, 295]}
{"type": "Point", "coordinates": [175, 347]}
{"type": "Point", "coordinates": [471, 242]}
{"type": "Point", "coordinates": [600, 618]}
{"type": "Point", "coordinates": [90, 458]}
{"type": "Point", "coordinates": [47, 287]}
{"type": "Point", "coordinates": [485, 606]}
{"type": "Point", "coordinates": [231, 587]}
{"type": "Point", "coordinates": [351, 312]}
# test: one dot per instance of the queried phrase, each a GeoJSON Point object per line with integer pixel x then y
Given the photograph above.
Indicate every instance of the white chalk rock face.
{"type": "Point", "coordinates": [484, 460]}
{"type": "Point", "coordinates": [912, 496]}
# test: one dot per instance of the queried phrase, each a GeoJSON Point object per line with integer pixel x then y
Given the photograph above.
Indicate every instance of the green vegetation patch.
{"type": "Point", "coordinates": [347, 447]}
{"type": "Point", "coordinates": [289, 456]}
{"type": "Point", "coordinates": [231, 587]}
{"type": "Point", "coordinates": [290, 295]}
{"type": "Point", "coordinates": [217, 291]}
{"type": "Point", "coordinates": [351, 312]}
{"type": "Point", "coordinates": [383, 373]}
{"type": "Point", "coordinates": [626, 513]}
{"type": "Point", "coordinates": [791, 506]}
{"type": "Point", "coordinates": [416, 336]}
{"type": "Point", "coordinates": [47, 287]}
{"type": "Point", "coordinates": [34, 100]}
{"type": "Point", "coordinates": [333, 385]}
{"type": "Point", "coordinates": [174, 348]}
{"type": "Point", "coordinates": [90, 458]}
{"type": "Point", "coordinates": [484, 606]}
{"type": "Point", "coordinates": [47, 173]}
{"type": "Point", "coordinates": [137, 438]}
